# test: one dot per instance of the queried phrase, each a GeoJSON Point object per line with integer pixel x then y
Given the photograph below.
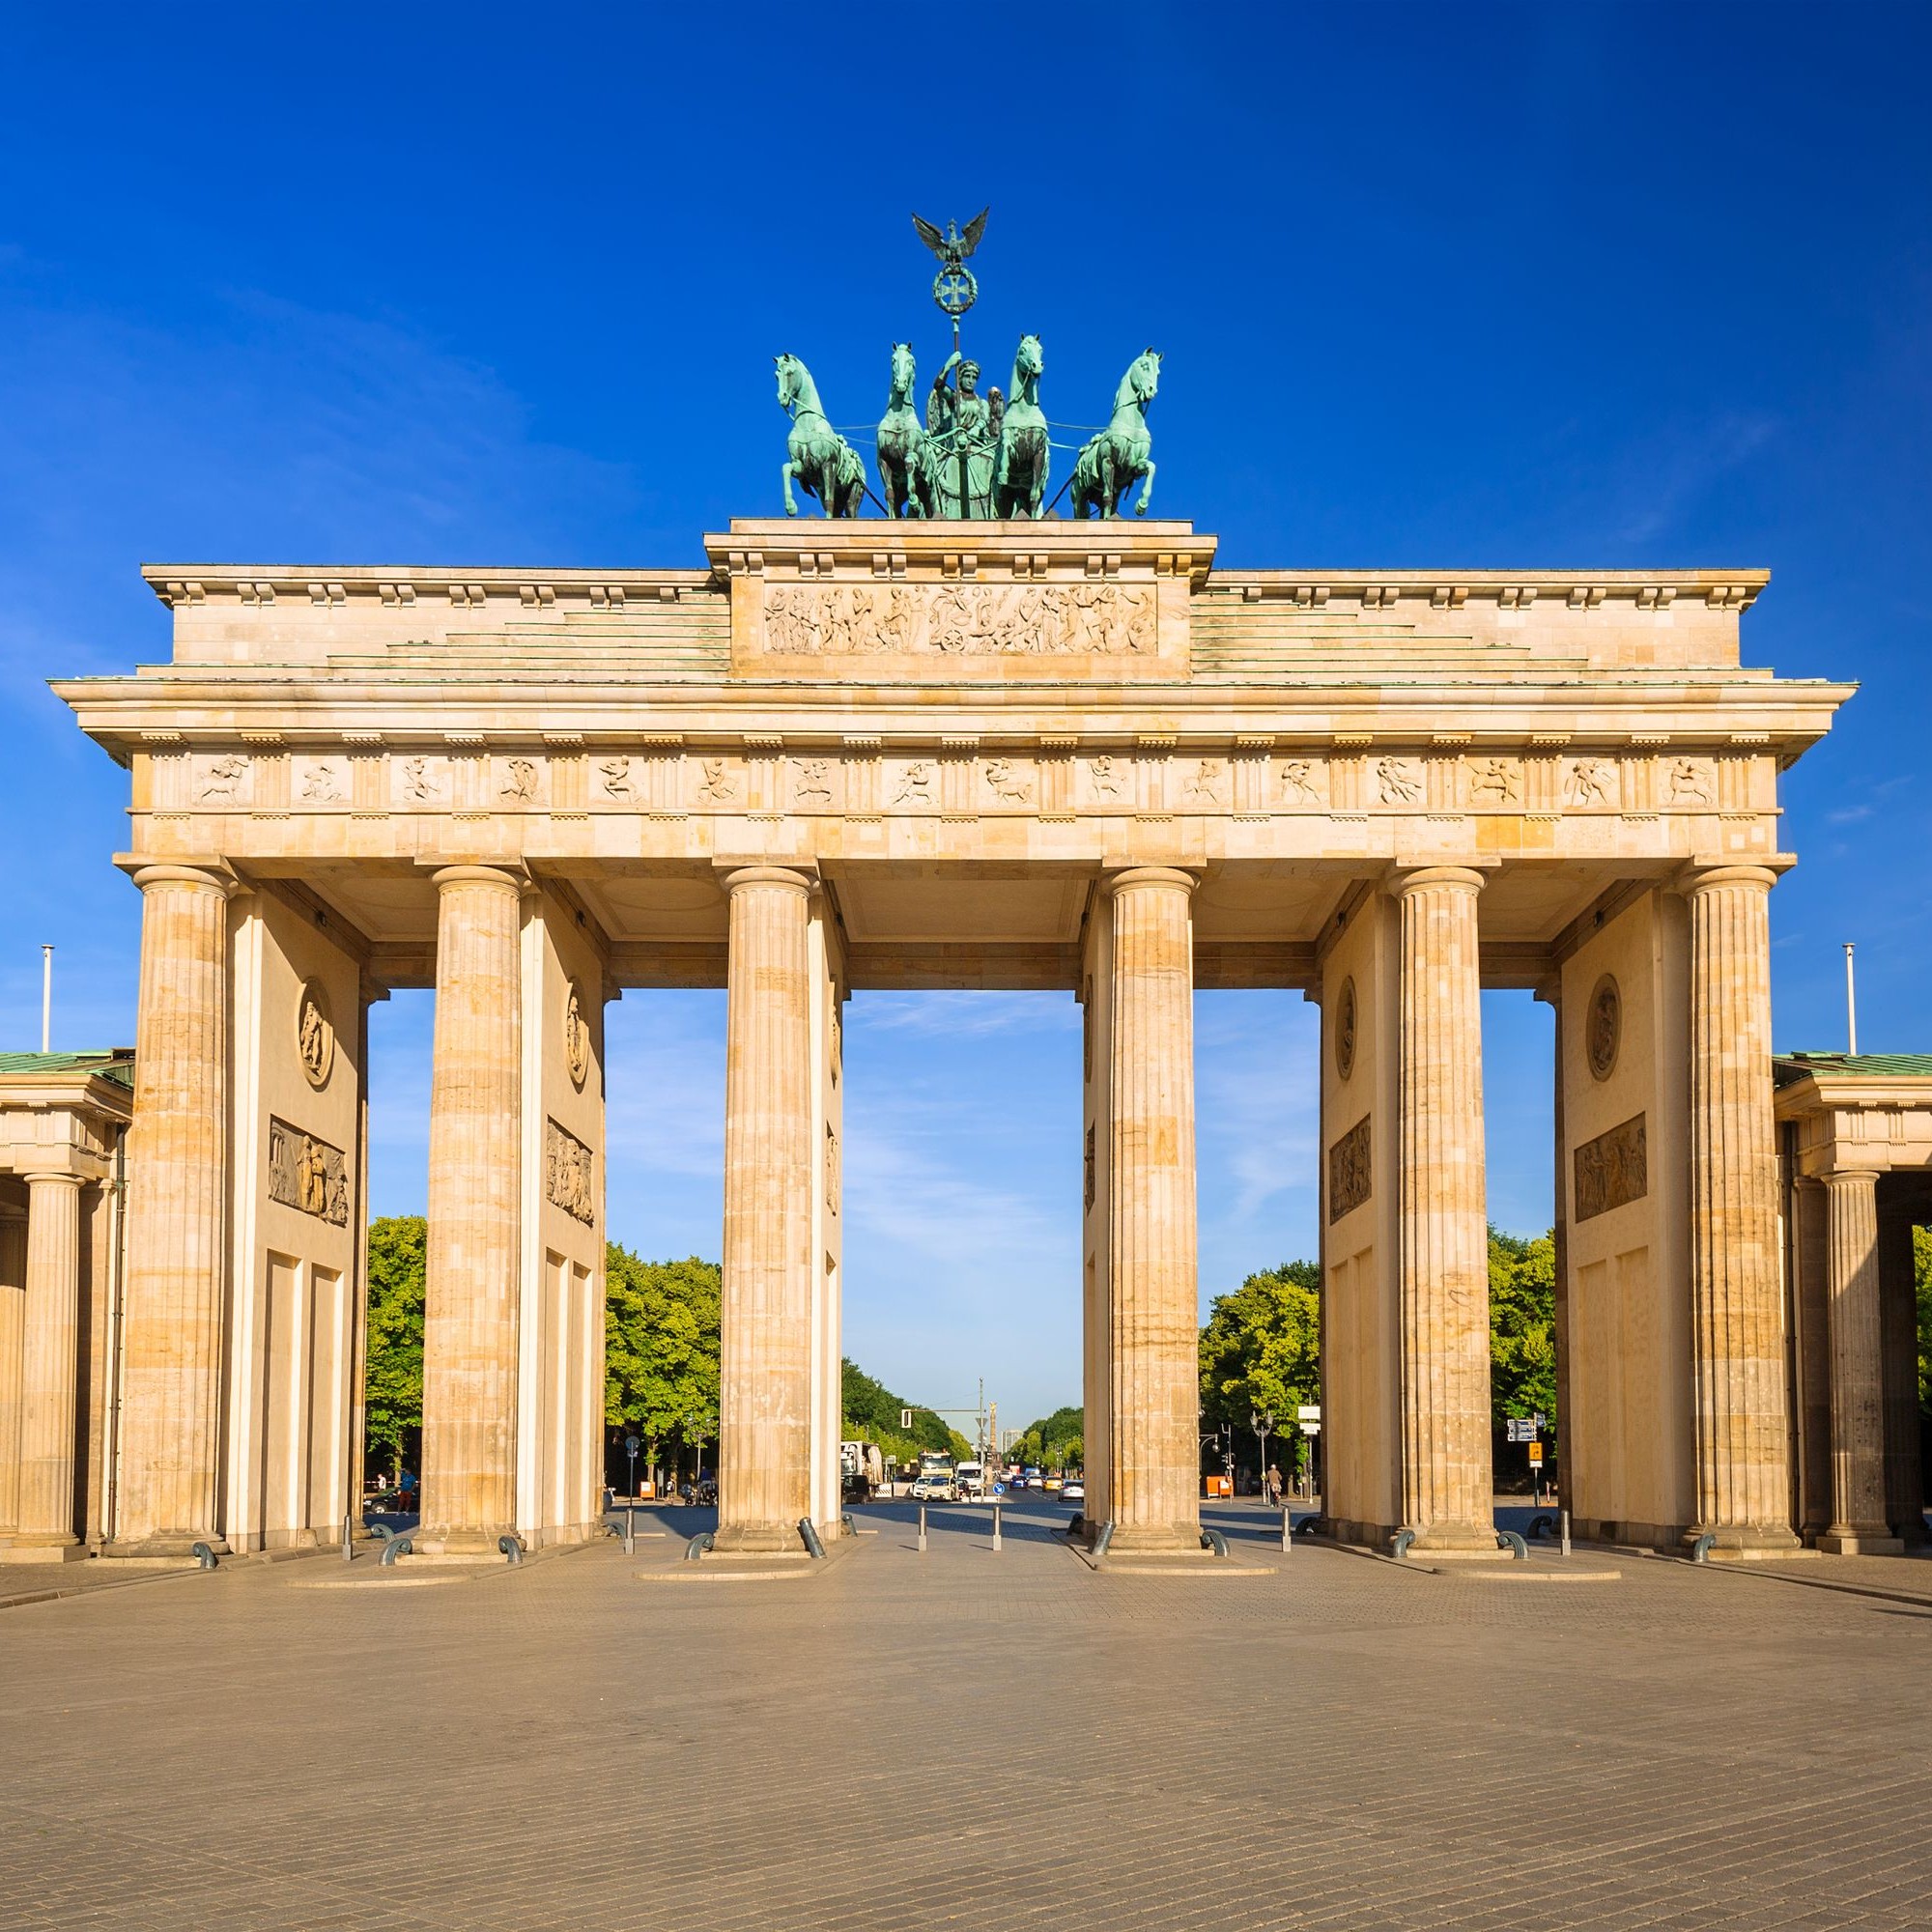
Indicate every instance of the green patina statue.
{"type": "Point", "coordinates": [824, 463]}
{"type": "Point", "coordinates": [1019, 470]}
{"type": "Point", "coordinates": [1110, 461]}
{"type": "Point", "coordinates": [974, 456]}
{"type": "Point", "coordinates": [962, 428]}
{"type": "Point", "coordinates": [905, 466]}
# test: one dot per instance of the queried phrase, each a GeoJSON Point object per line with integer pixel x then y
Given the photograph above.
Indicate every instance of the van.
{"type": "Point", "coordinates": [970, 1480]}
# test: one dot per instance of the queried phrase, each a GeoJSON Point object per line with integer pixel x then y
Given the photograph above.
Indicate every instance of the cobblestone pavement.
{"type": "Point", "coordinates": [601, 1743]}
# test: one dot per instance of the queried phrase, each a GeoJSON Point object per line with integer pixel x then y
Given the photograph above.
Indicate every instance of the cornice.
{"type": "Point", "coordinates": [859, 550]}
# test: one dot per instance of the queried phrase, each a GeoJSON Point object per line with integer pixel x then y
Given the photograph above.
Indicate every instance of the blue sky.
{"type": "Point", "coordinates": [1553, 286]}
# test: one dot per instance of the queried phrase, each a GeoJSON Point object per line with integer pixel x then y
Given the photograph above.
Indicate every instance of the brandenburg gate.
{"type": "Point", "coordinates": [849, 755]}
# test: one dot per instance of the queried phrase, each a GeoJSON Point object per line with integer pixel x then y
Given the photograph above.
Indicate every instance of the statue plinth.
{"type": "Point", "coordinates": [955, 601]}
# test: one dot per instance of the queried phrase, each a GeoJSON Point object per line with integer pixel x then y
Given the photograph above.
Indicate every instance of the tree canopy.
{"type": "Point", "coordinates": [1523, 1326]}
{"type": "Point", "coordinates": [393, 1383]}
{"type": "Point", "coordinates": [872, 1415]}
{"type": "Point", "coordinates": [1921, 1269]}
{"type": "Point", "coordinates": [1261, 1347]}
{"type": "Point", "coordinates": [1056, 1441]}
{"type": "Point", "coordinates": [661, 1347]}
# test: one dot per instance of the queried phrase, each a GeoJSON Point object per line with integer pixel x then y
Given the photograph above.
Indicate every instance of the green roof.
{"type": "Point", "coordinates": [116, 1064]}
{"type": "Point", "coordinates": [1790, 1067]}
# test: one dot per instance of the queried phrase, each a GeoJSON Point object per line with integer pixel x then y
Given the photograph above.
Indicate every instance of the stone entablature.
{"type": "Point", "coordinates": [1869, 1112]}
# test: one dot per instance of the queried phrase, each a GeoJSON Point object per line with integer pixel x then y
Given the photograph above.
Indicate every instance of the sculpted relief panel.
{"type": "Point", "coordinates": [1350, 1173]}
{"type": "Point", "coordinates": [307, 1174]}
{"type": "Point", "coordinates": [1612, 1169]}
{"type": "Point", "coordinates": [961, 619]}
{"type": "Point", "coordinates": [568, 1174]}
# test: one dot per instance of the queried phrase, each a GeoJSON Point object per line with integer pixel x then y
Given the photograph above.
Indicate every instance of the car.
{"type": "Point", "coordinates": [932, 1486]}
{"type": "Point", "coordinates": [1073, 1490]}
{"type": "Point", "coordinates": [1050, 1484]}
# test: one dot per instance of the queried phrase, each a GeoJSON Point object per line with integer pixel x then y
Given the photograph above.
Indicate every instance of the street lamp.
{"type": "Point", "coordinates": [1262, 1425]}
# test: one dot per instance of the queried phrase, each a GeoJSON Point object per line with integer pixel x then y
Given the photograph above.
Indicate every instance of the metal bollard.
{"type": "Point", "coordinates": [996, 1525]}
{"type": "Point", "coordinates": [630, 1530]}
{"type": "Point", "coordinates": [922, 1525]}
{"type": "Point", "coordinates": [1566, 1532]}
{"type": "Point", "coordinates": [1287, 1528]}
{"type": "Point", "coordinates": [349, 1537]}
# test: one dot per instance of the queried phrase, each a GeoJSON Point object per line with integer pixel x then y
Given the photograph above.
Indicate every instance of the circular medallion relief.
{"type": "Point", "coordinates": [576, 1038]}
{"type": "Point", "coordinates": [1345, 1030]}
{"type": "Point", "coordinates": [1603, 1027]}
{"type": "Point", "coordinates": [315, 1034]}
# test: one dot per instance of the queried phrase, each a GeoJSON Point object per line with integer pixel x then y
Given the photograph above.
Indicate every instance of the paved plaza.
{"type": "Point", "coordinates": [961, 1737]}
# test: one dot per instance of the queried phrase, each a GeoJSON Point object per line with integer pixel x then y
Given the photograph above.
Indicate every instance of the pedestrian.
{"type": "Point", "coordinates": [1274, 1485]}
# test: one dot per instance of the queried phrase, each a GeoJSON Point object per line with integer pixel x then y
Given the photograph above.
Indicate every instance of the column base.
{"type": "Point", "coordinates": [1152, 1538]}
{"type": "Point", "coordinates": [759, 1539]}
{"type": "Point", "coordinates": [1460, 1542]}
{"type": "Point", "coordinates": [44, 1550]}
{"type": "Point", "coordinates": [1861, 1543]}
{"type": "Point", "coordinates": [170, 1545]}
{"type": "Point", "coordinates": [461, 1540]}
{"type": "Point", "coordinates": [1755, 1543]}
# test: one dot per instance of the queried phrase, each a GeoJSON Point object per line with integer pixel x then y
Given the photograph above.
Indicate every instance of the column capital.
{"type": "Point", "coordinates": [209, 875]}
{"type": "Point", "coordinates": [49, 1176]}
{"type": "Point", "coordinates": [1850, 1177]}
{"type": "Point", "coordinates": [1707, 874]}
{"type": "Point", "coordinates": [511, 876]}
{"type": "Point", "coordinates": [734, 877]}
{"type": "Point", "coordinates": [1138, 878]}
{"type": "Point", "coordinates": [1406, 879]}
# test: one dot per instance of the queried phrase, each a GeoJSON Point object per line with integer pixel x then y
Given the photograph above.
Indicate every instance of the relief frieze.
{"type": "Point", "coordinates": [961, 619]}
{"type": "Point", "coordinates": [569, 1175]}
{"type": "Point", "coordinates": [307, 1174]}
{"type": "Point", "coordinates": [1350, 1173]}
{"type": "Point", "coordinates": [1612, 1169]}
{"type": "Point", "coordinates": [1195, 781]}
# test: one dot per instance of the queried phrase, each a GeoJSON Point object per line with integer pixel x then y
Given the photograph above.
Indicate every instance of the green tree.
{"type": "Point", "coordinates": [1056, 1441]}
{"type": "Point", "coordinates": [392, 1381]}
{"type": "Point", "coordinates": [872, 1415]}
{"type": "Point", "coordinates": [1261, 1347]}
{"type": "Point", "coordinates": [1523, 1326]}
{"type": "Point", "coordinates": [1921, 1269]}
{"type": "Point", "coordinates": [661, 1345]}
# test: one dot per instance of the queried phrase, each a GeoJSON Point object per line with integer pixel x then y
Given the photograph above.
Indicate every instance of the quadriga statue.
{"type": "Point", "coordinates": [824, 463]}
{"type": "Point", "coordinates": [905, 462]}
{"type": "Point", "coordinates": [1110, 461]}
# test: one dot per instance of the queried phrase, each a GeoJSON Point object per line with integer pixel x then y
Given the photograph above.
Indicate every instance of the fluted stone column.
{"type": "Point", "coordinates": [170, 1425]}
{"type": "Point", "coordinates": [1155, 1263]}
{"type": "Point", "coordinates": [475, 1135]}
{"type": "Point", "coordinates": [764, 1401]}
{"type": "Point", "coordinates": [49, 1357]}
{"type": "Point", "coordinates": [1738, 1369]}
{"type": "Point", "coordinates": [1898, 1346]}
{"type": "Point", "coordinates": [13, 1332]}
{"type": "Point", "coordinates": [1442, 1228]}
{"type": "Point", "coordinates": [1858, 1400]}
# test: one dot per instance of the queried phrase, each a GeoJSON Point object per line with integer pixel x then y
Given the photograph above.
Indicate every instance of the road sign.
{"type": "Point", "coordinates": [1522, 1428]}
{"type": "Point", "coordinates": [1309, 1411]}
{"type": "Point", "coordinates": [1536, 1452]}
{"type": "Point", "coordinates": [1311, 1428]}
{"type": "Point", "coordinates": [905, 1419]}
